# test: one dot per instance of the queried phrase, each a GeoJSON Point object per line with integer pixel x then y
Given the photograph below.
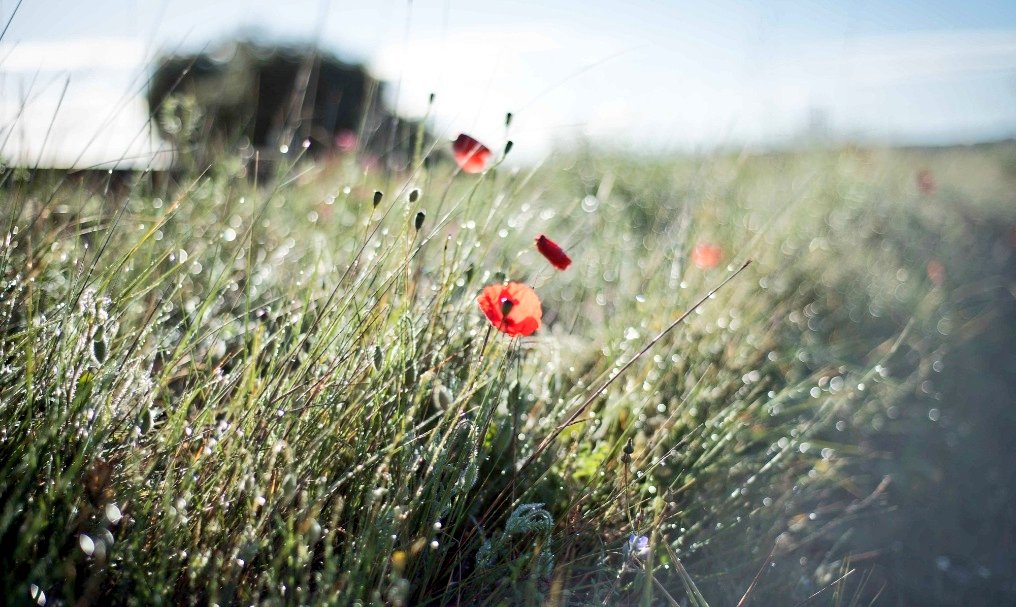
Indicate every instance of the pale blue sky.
{"type": "Point", "coordinates": [673, 75]}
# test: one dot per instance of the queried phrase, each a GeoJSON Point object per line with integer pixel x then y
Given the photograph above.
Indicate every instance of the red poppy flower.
{"type": "Point", "coordinates": [513, 308]}
{"type": "Point", "coordinates": [935, 271]}
{"type": "Point", "coordinates": [554, 253]}
{"type": "Point", "coordinates": [926, 182]}
{"type": "Point", "coordinates": [346, 140]}
{"type": "Point", "coordinates": [706, 255]}
{"type": "Point", "coordinates": [471, 155]}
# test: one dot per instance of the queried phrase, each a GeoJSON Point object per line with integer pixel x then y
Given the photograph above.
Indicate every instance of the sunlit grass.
{"type": "Point", "coordinates": [216, 392]}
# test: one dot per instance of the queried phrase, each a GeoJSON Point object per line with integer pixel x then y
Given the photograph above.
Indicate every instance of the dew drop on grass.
{"type": "Point", "coordinates": [934, 415]}
{"type": "Point", "coordinates": [113, 514]}
{"type": "Point", "coordinates": [86, 544]}
{"type": "Point", "coordinates": [37, 594]}
{"type": "Point", "coordinates": [590, 204]}
{"type": "Point", "coordinates": [229, 234]}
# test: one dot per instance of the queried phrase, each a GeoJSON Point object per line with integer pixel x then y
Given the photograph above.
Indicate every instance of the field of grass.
{"type": "Point", "coordinates": [216, 390]}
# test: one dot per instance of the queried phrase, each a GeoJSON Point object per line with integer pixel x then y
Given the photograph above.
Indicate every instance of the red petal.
{"type": "Point", "coordinates": [471, 155]}
{"type": "Point", "coordinates": [490, 302]}
{"type": "Point", "coordinates": [553, 252]}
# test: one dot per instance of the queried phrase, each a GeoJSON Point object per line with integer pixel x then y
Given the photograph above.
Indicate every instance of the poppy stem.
{"type": "Point", "coordinates": [483, 346]}
{"type": "Point", "coordinates": [580, 409]}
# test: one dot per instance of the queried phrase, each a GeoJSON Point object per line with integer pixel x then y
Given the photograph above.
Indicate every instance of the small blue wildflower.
{"type": "Point", "coordinates": [637, 545]}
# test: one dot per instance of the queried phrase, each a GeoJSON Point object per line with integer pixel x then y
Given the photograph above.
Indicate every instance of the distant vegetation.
{"type": "Point", "coordinates": [216, 392]}
{"type": "Point", "coordinates": [246, 97]}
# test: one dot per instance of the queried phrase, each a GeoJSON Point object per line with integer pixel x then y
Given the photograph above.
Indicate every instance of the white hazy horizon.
{"type": "Point", "coordinates": [643, 77]}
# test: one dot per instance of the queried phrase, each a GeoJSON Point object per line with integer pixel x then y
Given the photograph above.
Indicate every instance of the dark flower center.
{"type": "Point", "coordinates": [506, 305]}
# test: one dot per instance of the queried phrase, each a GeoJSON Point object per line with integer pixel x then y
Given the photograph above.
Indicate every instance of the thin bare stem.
{"type": "Point", "coordinates": [581, 408]}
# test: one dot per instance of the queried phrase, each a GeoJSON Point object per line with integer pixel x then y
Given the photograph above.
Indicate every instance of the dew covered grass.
{"type": "Point", "coordinates": [217, 391]}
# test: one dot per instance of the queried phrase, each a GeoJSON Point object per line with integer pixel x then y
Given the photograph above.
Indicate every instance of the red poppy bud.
{"type": "Point", "coordinates": [471, 155]}
{"type": "Point", "coordinates": [926, 182]}
{"type": "Point", "coordinates": [554, 253]}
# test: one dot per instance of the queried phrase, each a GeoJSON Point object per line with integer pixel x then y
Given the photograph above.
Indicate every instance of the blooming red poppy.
{"type": "Point", "coordinates": [513, 308]}
{"type": "Point", "coordinates": [471, 155]}
{"type": "Point", "coordinates": [935, 271]}
{"type": "Point", "coordinates": [554, 253]}
{"type": "Point", "coordinates": [706, 255]}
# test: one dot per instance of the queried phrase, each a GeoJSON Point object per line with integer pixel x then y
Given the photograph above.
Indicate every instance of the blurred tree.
{"type": "Point", "coordinates": [245, 94]}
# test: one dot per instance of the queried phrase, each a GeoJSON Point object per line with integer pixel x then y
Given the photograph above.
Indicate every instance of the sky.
{"type": "Point", "coordinates": [638, 74]}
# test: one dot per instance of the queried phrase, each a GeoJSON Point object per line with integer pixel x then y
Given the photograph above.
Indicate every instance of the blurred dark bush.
{"type": "Point", "coordinates": [244, 95]}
